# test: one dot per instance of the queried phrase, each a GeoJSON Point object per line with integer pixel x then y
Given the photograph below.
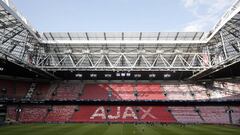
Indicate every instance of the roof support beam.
{"type": "Point", "coordinates": [12, 36]}
{"type": "Point", "coordinates": [223, 45]}
{"type": "Point", "coordinates": [97, 42]}
{"type": "Point", "coordinates": [20, 19]}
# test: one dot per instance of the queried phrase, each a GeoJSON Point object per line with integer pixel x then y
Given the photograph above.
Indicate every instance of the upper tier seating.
{"type": "Point", "coordinates": [8, 86]}
{"type": "Point", "coordinates": [200, 92]}
{"type": "Point", "coordinates": [95, 92]}
{"type": "Point", "coordinates": [227, 90]}
{"type": "Point", "coordinates": [176, 92]}
{"type": "Point", "coordinates": [15, 89]}
{"type": "Point", "coordinates": [122, 91]}
{"type": "Point", "coordinates": [67, 91]}
{"type": "Point", "coordinates": [21, 89]}
{"type": "Point", "coordinates": [149, 92]}
{"type": "Point", "coordinates": [74, 90]}
{"type": "Point", "coordinates": [41, 91]}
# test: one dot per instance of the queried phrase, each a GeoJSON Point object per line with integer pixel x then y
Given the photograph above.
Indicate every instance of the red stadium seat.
{"type": "Point", "coordinates": [215, 115]}
{"type": "Point", "coordinates": [41, 91]}
{"type": "Point", "coordinates": [122, 114]}
{"type": "Point", "coordinates": [235, 115]}
{"type": "Point", "coordinates": [122, 91]}
{"type": "Point", "coordinates": [67, 91]}
{"type": "Point", "coordinates": [95, 92]}
{"type": "Point", "coordinates": [60, 114]}
{"type": "Point", "coordinates": [33, 114]}
{"type": "Point", "coordinates": [11, 113]}
{"type": "Point", "coordinates": [186, 115]}
{"type": "Point", "coordinates": [149, 92]}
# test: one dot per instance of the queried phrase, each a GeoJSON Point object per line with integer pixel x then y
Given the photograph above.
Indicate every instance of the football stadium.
{"type": "Point", "coordinates": [122, 83]}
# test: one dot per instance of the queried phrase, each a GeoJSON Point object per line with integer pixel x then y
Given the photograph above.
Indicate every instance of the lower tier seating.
{"type": "Point", "coordinates": [59, 113]}
{"type": "Point", "coordinates": [235, 115]}
{"type": "Point", "coordinates": [33, 113]}
{"type": "Point", "coordinates": [186, 114]}
{"type": "Point", "coordinates": [213, 114]}
{"type": "Point", "coordinates": [160, 114]}
{"type": "Point", "coordinates": [11, 113]}
{"type": "Point", "coordinates": [122, 114]}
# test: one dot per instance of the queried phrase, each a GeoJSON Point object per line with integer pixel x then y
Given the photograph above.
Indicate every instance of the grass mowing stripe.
{"type": "Point", "coordinates": [221, 129]}
{"type": "Point", "coordinates": [169, 129]}
{"type": "Point", "coordinates": [80, 129]}
{"type": "Point", "coordinates": [126, 129]}
{"type": "Point", "coordinates": [25, 129]}
{"type": "Point", "coordinates": [162, 130]}
{"type": "Point", "coordinates": [44, 129]}
{"type": "Point", "coordinates": [114, 129]}
{"type": "Point", "coordinates": [117, 129]}
{"type": "Point", "coordinates": [198, 130]}
{"type": "Point", "coordinates": [98, 130]}
{"type": "Point", "coordinates": [138, 130]}
{"type": "Point", "coordinates": [59, 129]}
{"type": "Point", "coordinates": [146, 129]}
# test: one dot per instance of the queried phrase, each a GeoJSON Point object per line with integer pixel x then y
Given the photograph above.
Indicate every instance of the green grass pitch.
{"type": "Point", "coordinates": [117, 129]}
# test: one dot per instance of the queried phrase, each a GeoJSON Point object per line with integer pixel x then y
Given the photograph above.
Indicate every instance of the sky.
{"type": "Point", "coordinates": [123, 15]}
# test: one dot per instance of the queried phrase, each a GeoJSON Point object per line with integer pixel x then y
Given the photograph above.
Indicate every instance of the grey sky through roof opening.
{"type": "Point", "coordinates": [123, 15]}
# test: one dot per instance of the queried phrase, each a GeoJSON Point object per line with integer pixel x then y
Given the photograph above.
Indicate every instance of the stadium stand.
{"type": "Point", "coordinates": [119, 77]}
{"type": "Point", "coordinates": [67, 91]}
{"type": "Point", "coordinates": [11, 113]}
{"type": "Point", "coordinates": [235, 115]}
{"type": "Point", "coordinates": [41, 91]}
{"type": "Point", "coordinates": [122, 114]}
{"type": "Point", "coordinates": [186, 114]}
{"type": "Point", "coordinates": [30, 92]}
{"type": "Point", "coordinates": [7, 88]}
{"type": "Point", "coordinates": [59, 114]}
{"type": "Point", "coordinates": [214, 114]}
{"type": "Point", "coordinates": [33, 114]}
{"type": "Point", "coordinates": [122, 91]}
{"type": "Point", "coordinates": [83, 114]}
{"type": "Point", "coordinates": [21, 89]}
{"type": "Point", "coordinates": [150, 92]}
{"type": "Point", "coordinates": [176, 92]}
{"type": "Point", "coordinates": [89, 92]}
{"type": "Point", "coordinates": [199, 92]}
{"type": "Point", "coordinates": [117, 91]}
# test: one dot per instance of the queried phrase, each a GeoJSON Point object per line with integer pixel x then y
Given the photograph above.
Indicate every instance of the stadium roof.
{"type": "Point", "coordinates": [140, 51]}
{"type": "Point", "coordinates": [123, 37]}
